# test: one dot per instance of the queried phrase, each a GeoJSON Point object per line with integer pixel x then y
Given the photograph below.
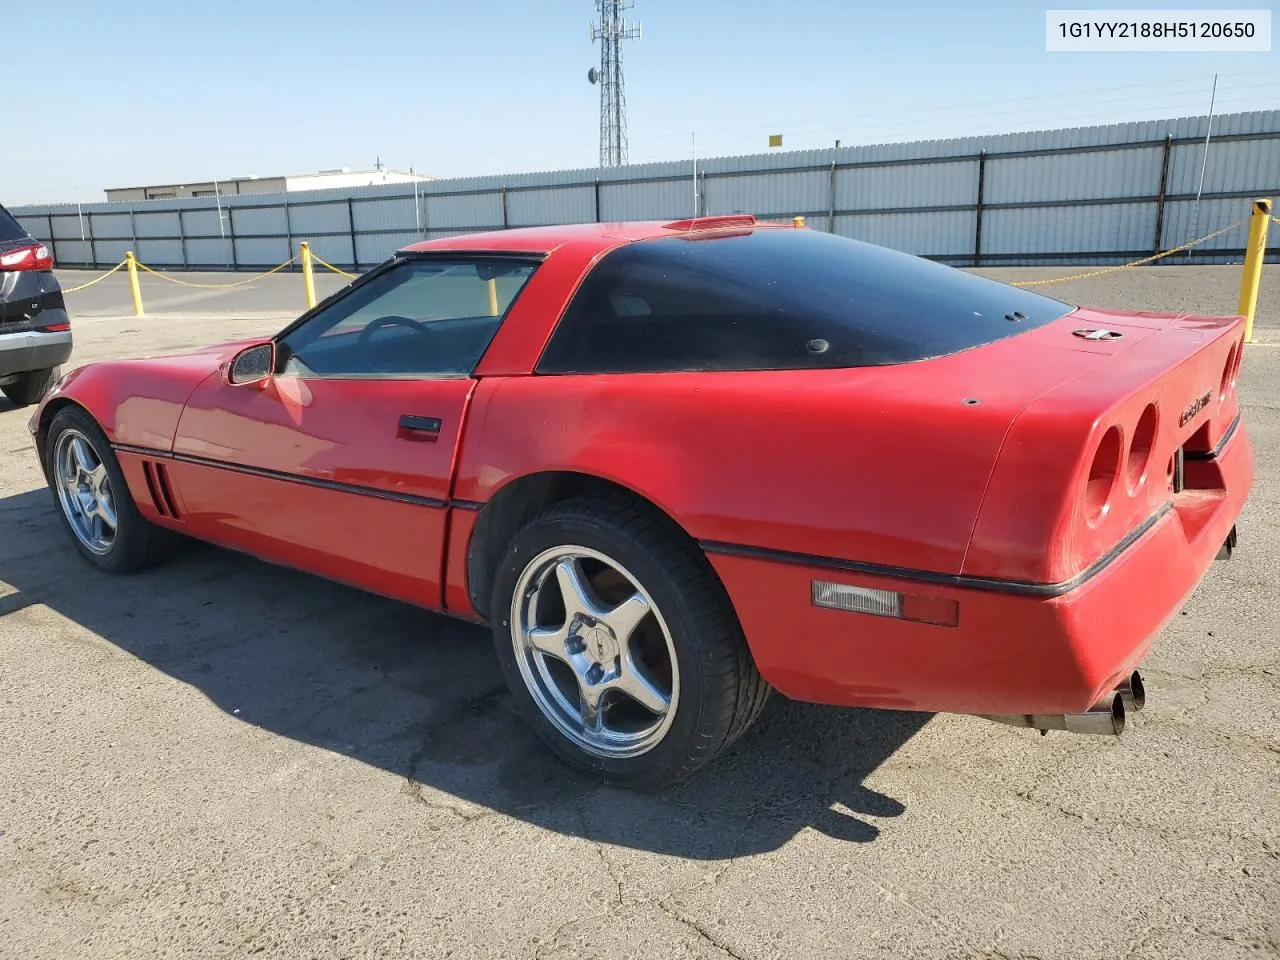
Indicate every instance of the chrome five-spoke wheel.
{"type": "Point", "coordinates": [84, 492]}
{"type": "Point", "coordinates": [594, 652]}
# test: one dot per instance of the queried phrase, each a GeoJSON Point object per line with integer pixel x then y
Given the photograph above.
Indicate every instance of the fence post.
{"type": "Point", "coordinates": [977, 210]}
{"type": "Point", "coordinates": [288, 227]}
{"type": "Point", "coordinates": [231, 235]}
{"type": "Point", "coordinates": [1254, 254]}
{"type": "Point", "coordinates": [1164, 183]}
{"type": "Point", "coordinates": [308, 277]}
{"type": "Point", "coordinates": [831, 199]}
{"type": "Point", "coordinates": [505, 222]}
{"type": "Point", "coordinates": [182, 241]}
{"type": "Point", "coordinates": [93, 250]}
{"type": "Point", "coordinates": [134, 288]}
{"type": "Point", "coordinates": [597, 199]}
{"type": "Point", "coordinates": [351, 228]}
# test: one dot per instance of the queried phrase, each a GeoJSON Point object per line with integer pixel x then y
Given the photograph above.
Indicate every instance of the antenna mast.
{"type": "Point", "coordinates": [611, 31]}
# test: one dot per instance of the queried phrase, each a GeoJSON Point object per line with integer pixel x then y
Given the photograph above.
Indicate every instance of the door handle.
{"type": "Point", "coordinates": [419, 428]}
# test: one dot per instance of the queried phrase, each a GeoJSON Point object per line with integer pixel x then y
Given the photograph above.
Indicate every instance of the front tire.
{"type": "Point", "coordinates": [29, 387]}
{"type": "Point", "coordinates": [93, 499]}
{"type": "Point", "coordinates": [620, 644]}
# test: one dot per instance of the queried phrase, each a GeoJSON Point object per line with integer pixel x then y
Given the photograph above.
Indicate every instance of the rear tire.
{"type": "Point", "coordinates": [89, 491]}
{"type": "Point", "coordinates": [30, 387]}
{"type": "Point", "coordinates": [648, 606]}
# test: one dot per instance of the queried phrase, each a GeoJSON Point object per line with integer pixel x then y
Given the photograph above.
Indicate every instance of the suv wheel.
{"type": "Point", "coordinates": [29, 387]}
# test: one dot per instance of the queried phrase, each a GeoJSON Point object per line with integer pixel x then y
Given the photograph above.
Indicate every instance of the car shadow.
{"type": "Point", "coordinates": [420, 695]}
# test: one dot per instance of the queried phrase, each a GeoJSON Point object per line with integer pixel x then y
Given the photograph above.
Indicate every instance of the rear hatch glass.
{"type": "Point", "coordinates": [778, 299]}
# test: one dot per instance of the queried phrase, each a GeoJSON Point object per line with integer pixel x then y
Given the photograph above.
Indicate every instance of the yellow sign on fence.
{"type": "Point", "coordinates": [775, 139]}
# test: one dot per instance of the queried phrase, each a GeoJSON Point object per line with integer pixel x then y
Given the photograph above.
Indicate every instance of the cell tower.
{"type": "Point", "coordinates": [611, 31]}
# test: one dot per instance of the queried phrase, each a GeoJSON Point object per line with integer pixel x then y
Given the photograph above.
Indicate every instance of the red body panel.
{"type": "Point", "coordinates": [379, 519]}
{"type": "Point", "coordinates": [1009, 653]}
{"type": "Point", "coordinates": [962, 478]}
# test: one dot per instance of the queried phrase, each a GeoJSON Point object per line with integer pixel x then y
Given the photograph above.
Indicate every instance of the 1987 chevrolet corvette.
{"type": "Point", "coordinates": [677, 465]}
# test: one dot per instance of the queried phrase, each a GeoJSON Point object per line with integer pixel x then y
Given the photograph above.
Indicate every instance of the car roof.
{"type": "Point", "coordinates": [543, 240]}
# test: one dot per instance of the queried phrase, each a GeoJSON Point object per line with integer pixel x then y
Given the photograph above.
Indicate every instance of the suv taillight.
{"type": "Point", "coordinates": [34, 257]}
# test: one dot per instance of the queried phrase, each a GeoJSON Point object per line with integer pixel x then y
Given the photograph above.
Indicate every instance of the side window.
{"type": "Point", "coordinates": [424, 317]}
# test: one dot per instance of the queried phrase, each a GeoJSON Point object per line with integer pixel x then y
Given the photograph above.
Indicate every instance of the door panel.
{"type": "Point", "coordinates": [320, 474]}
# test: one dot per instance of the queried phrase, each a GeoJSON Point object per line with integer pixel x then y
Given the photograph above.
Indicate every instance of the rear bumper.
{"type": "Point", "coordinates": [33, 350]}
{"type": "Point", "coordinates": [1010, 652]}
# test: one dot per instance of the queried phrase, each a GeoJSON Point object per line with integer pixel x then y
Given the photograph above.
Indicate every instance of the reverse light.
{"type": "Point", "coordinates": [885, 603]}
{"type": "Point", "coordinates": [33, 257]}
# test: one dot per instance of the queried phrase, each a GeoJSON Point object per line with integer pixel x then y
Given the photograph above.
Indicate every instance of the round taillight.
{"type": "Point", "coordinates": [1102, 477]}
{"type": "Point", "coordinates": [1139, 458]}
{"type": "Point", "coordinates": [1229, 371]}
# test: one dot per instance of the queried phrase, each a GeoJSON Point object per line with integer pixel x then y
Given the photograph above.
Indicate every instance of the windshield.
{"type": "Point", "coordinates": [779, 299]}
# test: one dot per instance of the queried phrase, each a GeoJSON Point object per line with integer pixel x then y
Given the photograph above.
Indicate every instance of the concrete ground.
{"type": "Point", "coordinates": [219, 758]}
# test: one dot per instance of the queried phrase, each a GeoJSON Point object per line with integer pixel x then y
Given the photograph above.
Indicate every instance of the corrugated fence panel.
{"type": "Point", "coordinates": [384, 214]}
{"type": "Point", "coordinates": [159, 252]}
{"type": "Point", "coordinates": [535, 208]}
{"type": "Point", "coordinates": [1047, 193]}
{"type": "Point", "coordinates": [111, 252]}
{"type": "Point", "coordinates": [1252, 165]}
{"type": "Point", "coordinates": [337, 250]}
{"type": "Point", "coordinates": [1074, 176]}
{"type": "Point", "coordinates": [72, 251]}
{"type": "Point", "coordinates": [913, 185]}
{"type": "Point", "coordinates": [1182, 223]}
{"type": "Point", "coordinates": [374, 248]}
{"type": "Point", "coordinates": [468, 212]}
{"type": "Point", "coordinates": [152, 225]}
{"type": "Point", "coordinates": [205, 253]}
{"type": "Point", "coordinates": [313, 220]}
{"type": "Point", "coordinates": [766, 194]}
{"type": "Point", "coordinates": [112, 225]}
{"type": "Point", "coordinates": [924, 234]}
{"type": "Point", "coordinates": [37, 226]}
{"type": "Point", "coordinates": [265, 252]}
{"type": "Point", "coordinates": [64, 228]}
{"type": "Point", "coordinates": [666, 200]}
{"type": "Point", "coordinates": [256, 221]}
{"type": "Point", "coordinates": [200, 223]}
{"type": "Point", "coordinates": [1101, 228]}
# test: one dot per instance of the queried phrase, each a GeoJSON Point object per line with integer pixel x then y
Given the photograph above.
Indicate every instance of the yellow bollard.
{"type": "Point", "coordinates": [308, 276]}
{"type": "Point", "coordinates": [797, 221]}
{"type": "Point", "coordinates": [1254, 254]}
{"type": "Point", "coordinates": [493, 297]}
{"type": "Point", "coordinates": [136, 290]}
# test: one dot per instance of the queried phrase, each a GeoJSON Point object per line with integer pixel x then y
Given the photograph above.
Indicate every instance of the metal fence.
{"type": "Point", "coordinates": [1103, 194]}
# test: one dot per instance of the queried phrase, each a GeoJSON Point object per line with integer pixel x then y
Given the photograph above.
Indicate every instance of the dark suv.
{"type": "Point", "coordinates": [35, 332]}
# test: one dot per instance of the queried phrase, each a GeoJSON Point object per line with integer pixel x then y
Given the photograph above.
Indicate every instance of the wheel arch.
{"type": "Point", "coordinates": [521, 499]}
{"type": "Point", "coordinates": [50, 410]}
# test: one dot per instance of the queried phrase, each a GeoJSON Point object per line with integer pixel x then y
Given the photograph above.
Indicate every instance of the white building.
{"type": "Point", "coordinates": [235, 186]}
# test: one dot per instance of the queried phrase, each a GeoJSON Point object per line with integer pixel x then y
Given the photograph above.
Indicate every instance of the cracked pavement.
{"type": "Point", "coordinates": [219, 758]}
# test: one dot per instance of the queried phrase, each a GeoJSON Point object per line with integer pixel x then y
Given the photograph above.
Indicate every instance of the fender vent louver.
{"type": "Point", "coordinates": [158, 486]}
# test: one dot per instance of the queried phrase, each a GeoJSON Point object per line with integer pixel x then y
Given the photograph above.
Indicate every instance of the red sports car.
{"type": "Point", "coordinates": [677, 465]}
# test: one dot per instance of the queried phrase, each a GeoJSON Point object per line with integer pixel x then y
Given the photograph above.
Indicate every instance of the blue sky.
{"type": "Point", "coordinates": [155, 92]}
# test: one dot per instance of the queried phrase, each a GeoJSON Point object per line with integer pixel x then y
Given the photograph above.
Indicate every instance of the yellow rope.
{"type": "Point", "coordinates": [84, 286]}
{"type": "Point", "coordinates": [342, 273]}
{"type": "Point", "coordinates": [215, 286]}
{"type": "Point", "coordinates": [1137, 263]}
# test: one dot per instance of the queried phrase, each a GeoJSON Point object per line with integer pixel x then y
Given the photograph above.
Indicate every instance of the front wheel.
{"type": "Point", "coordinates": [93, 498]}
{"type": "Point", "coordinates": [620, 644]}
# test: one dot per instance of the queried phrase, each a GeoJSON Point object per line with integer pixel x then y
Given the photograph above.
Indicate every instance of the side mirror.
{"type": "Point", "coordinates": [252, 364]}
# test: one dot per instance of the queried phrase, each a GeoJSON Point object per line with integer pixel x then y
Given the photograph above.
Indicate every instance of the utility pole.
{"type": "Point", "coordinates": [611, 31]}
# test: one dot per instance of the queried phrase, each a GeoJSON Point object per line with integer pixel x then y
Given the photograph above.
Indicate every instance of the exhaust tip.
{"type": "Point", "coordinates": [1106, 718]}
{"type": "Point", "coordinates": [1133, 692]}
